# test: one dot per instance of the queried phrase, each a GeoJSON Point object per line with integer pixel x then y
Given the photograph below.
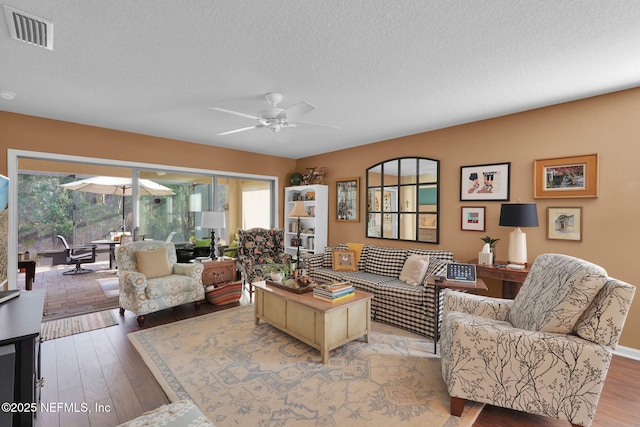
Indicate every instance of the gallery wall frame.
{"type": "Point", "coordinates": [472, 218]}
{"type": "Point", "coordinates": [565, 177]}
{"type": "Point", "coordinates": [348, 200]}
{"type": "Point", "coordinates": [489, 182]}
{"type": "Point", "coordinates": [564, 223]}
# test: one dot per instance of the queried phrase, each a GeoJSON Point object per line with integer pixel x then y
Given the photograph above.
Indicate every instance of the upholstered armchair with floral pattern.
{"type": "Point", "coordinates": [151, 279]}
{"type": "Point", "coordinates": [546, 352]}
{"type": "Point", "coordinates": [258, 247]}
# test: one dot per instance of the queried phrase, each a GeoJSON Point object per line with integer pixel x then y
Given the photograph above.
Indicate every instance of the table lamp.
{"type": "Point", "coordinates": [518, 215]}
{"type": "Point", "coordinates": [298, 211]}
{"type": "Point", "coordinates": [213, 220]}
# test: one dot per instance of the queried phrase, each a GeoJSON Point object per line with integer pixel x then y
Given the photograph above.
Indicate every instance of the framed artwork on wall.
{"type": "Point", "coordinates": [564, 224]}
{"type": "Point", "coordinates": [566, 177]}
{"type": "Point", "coordinates": [485, 182]}
{"type": "Point", "coordinates": [472, 218]}
{"type": "Point", "coordinates": [347, 198]}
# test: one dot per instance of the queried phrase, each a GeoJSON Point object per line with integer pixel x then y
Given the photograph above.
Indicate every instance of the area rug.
{"type": "Point", "coordinates": [74, 325]}
{"type": "Point", "coordinates": [110, 287]}
{"type": "Point", "coordinates": [240, 374]}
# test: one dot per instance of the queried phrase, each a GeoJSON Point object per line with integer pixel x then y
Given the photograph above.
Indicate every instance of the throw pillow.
{"type": "Point", "coordinates": [357, 248]}
{"type": "Point", "coordinates": [344, 261]}
{"type": "Point", "coordinates": [414, 269]}
{"type": "Point", "coordinates": [153, 263]}
{"type": "Point", "coordinates": [201, 243]}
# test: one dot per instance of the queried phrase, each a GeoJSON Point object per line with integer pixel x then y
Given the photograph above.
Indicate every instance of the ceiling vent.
{"type": "Point", "coordinates": [29, 28]}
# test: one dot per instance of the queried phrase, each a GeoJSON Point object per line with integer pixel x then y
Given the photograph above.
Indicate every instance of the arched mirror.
{"type": "Point", "coordinates": [403, 200]}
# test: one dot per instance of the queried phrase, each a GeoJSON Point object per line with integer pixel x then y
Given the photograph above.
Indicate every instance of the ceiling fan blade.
{"type": "Point", "coordinates": [238, 130]}
{"type": "Point", "coordinates": [297, 110]}
{"type": "Point", "coordinates": [237, 113]}
{"type": "Point", "coordinates": [317, 124]}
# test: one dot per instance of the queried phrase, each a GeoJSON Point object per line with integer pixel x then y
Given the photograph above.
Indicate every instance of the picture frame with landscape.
{"type": "Point", "coordinates": [564, 223]}
{"type": "Point", "coordinates": [564, 177]}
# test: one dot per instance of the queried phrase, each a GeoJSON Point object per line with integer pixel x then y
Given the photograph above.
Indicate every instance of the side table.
{"type": "Point", "coordinates": [220, 281]}
{"type": "Point", "coordinates": [512, 280]}
{"type": "Point", "coordinates": [29, 267]}
{"type": "Point", "coordinates": [479, 285]}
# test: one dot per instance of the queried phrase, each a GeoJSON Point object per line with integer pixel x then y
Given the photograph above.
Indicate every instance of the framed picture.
{"type": "Point", "coordinates": [485, 182]}
{"type": "Point", "coordinates": [344, 260]}
{"type": "Point", "coordinates": [566, 177]}
{"type": "Point", "coordinates": [347, 206]}
{"type": "Point", "coordinates": [472, 218]}
{"type": "Point", "coordinates": [564, 224]}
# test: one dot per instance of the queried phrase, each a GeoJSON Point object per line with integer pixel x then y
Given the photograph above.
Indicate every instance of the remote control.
{"type": "Point", "coordinates": [515, 266]}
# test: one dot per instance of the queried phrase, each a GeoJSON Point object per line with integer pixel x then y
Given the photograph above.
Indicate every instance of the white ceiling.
{"type": "Point", "coordinates": [378, 69]}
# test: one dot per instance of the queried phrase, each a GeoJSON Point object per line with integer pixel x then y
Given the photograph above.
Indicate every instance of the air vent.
{"type": "Point", "coordinates": [29, 28]}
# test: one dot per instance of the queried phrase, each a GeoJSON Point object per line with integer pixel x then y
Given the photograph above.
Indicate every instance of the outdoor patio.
{"type": "Point", "coordinates": [79, 294]}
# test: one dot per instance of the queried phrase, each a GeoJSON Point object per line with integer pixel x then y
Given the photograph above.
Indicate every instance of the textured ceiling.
{"type": "Point", "coordinates": [377, 69]}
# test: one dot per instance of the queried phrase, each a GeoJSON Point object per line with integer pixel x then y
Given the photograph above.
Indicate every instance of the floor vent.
{"type": "Point", "coordinates": [29, 28]}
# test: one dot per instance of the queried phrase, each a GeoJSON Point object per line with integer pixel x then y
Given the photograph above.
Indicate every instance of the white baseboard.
{"type": "Point", "coordinates": [629, 352]}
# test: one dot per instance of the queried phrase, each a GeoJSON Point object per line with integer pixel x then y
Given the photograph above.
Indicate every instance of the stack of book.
{"type": "Point", "coordinates": [334, 292]}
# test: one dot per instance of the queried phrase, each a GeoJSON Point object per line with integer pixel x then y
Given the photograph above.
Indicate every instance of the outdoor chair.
{"type": "Point", "coordinates": [151, 279]}
{"type": "Point", "coordinates": [257, 248]}
{"type": "Point", "coordinates": [547, 352]}
{"type": "Point", "coordinates": [78, 255]}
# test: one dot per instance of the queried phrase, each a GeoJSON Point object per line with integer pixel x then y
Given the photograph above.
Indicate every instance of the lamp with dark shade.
{"type": "Point", "coordinates": [298, 211]}
{"type": "Point", "coordinates": [213, 220]}
{"type": "Point", "coordinates": [518, 215]}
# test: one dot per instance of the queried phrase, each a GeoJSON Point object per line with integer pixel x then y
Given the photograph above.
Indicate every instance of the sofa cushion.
{"type": "Point", "coordinates": [397, 290]}
{"type": "Point", "coordinates": [327, 260]}
{"type": "Point", "coordinates": [432, 254]}
{"type": "Point", "coordinates": [557, 290]}
{"type": "Point", "coordinates": [414, 269]}
{"type": "Point", "coordinates": [344, 261]}
{"type": "Point", "coordinates": [385, 261]}
{"type": "Point", "coordinates": [153, 263]}
{"type": "Point", "coordinates": [170, 286]}
{"type": "Point", "coordinates": [358, 248]}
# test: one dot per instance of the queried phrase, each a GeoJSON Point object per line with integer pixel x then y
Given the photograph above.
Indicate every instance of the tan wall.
{"type": "Point", "coordinates": [51, 136]}
{"type": "Point", "coordinates": [607, 125]}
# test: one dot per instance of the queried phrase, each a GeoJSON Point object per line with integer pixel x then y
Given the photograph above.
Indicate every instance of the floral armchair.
{"type": "Point", "coordinates": [546, 352]}
{"type": "Point", "coordinates": [152, 280]}
{"type": "Point", "coordinates": [257, 248]}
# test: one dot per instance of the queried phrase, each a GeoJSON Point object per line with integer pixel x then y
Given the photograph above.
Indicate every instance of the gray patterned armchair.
{"type": "Point", "coordinates": [546, 352]}
{"type": "Point", "coordinates": [151, 279]}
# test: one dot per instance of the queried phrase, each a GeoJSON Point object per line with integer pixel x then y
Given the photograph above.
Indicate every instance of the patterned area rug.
{"type": "Point", "coordinates": [74, 325]}
{"type": "Point", "coordinates": [242, 374]}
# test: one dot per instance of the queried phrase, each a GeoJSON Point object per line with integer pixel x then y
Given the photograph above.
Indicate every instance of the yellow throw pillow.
{"type": "Point", "coordinates": [153, 263]}
{"type": "Point", "coordinates": [357, 248]}
{"type": "Point", "coordinates": [414, 269]}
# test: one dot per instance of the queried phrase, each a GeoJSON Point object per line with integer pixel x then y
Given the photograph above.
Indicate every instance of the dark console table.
{"type": "Point", "coordinates": [20, 320]}
{"type": "Point", "coordinates": [511, 279]}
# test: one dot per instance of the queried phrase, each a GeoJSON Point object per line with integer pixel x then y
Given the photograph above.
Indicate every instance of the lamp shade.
{"type": "Point", "coordinates": [298, 211]}
{"type": "Point", "coordinates": [213, 220]}
{"type": "Point", "coordinates": [519, 215]}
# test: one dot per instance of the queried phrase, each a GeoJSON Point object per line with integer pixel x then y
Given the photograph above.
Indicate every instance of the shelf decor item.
{"type": "Point", "coordinates": [298, 211]}
{"type": "Point", "coordinates": [347, 198]}
{"type": "Point", "coordinates": [566, 177]}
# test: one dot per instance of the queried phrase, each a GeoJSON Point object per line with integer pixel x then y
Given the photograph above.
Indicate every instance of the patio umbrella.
{"type": "Point", "coordinates": [118, 186]}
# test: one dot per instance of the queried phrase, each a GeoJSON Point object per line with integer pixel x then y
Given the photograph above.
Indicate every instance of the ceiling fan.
{"type": "Point", "coordinates": [275, 119]}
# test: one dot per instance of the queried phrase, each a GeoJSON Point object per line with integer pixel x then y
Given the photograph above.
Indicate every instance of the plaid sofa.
{"type": "Point", "coordinates": [395, 302]}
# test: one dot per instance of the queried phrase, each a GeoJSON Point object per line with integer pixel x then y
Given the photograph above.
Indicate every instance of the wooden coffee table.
{"type": "Point", "coordinates": [322, 325]}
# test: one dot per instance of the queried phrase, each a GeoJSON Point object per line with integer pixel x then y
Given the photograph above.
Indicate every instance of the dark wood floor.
{"type": "Point", "coordinates": [103, 370]}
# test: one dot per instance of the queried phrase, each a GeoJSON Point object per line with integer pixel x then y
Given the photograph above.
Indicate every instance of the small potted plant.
{"type": "Point", "coordinates": [277, 271]}
{"type": "Point", "coordinates": [492, 245]}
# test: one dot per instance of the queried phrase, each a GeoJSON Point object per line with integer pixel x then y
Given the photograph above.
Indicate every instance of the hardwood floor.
{"type": "Point", "coordinates": [102, 370]}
